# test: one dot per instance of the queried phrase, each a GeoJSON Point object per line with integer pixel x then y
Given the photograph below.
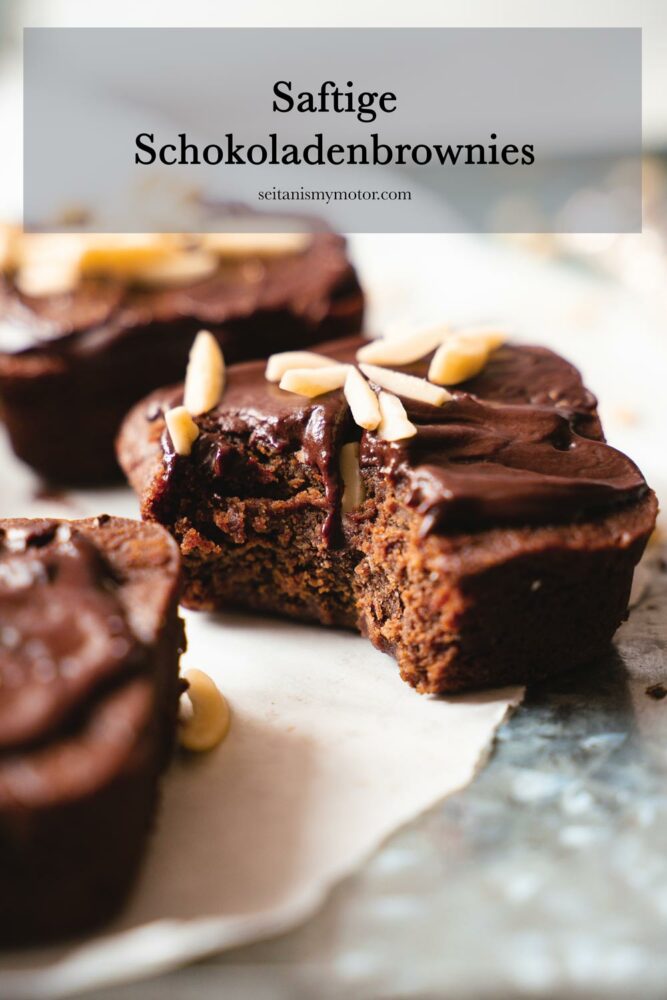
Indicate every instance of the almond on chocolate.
{"type": "Point", "coordinates": [90, 326]}
{"type": "Point", "coordinates": [464, 500]}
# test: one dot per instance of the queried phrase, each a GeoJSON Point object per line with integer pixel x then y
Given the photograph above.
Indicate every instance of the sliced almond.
{"type": "Point", "coordinates": [362, 401]}
{"type": "Point", "coordinates": [403, 350]}
{"type": "Point", "coordinates": [490, 337]}
{"type": "Point", "coordinates": [457, 360]}
{"type": "Point", "coordinates": [394, 425]}
{"type": "Point", "coordinates": [314, 381]}
{"type": "Point", "coordinates": [205, 375]}
{"type": "Point", "coordinates": [38, 248]}
{"type": "Point", "coordinates": [207, 721]}
{"type": "Point", "coordinates": [278, 364]}
{"type": "Point", "coordinates": [408, 386]}
{"type": "Point", "coordinates": [9, 237]}
{"type": "Point", "coordinates": [47, 277]}
{"type": "Point", "coordinates": [183, 431]}
{"type": "Point", "coordinates": [125, 254]}
{"type": "Point", "coordinates": [237, 245]}
{"type": "Point", "coordinates": [183, 267]}
{"type": "Point", "coordinates": [353, 486]}
{"type": "Point", "coordinates": [48, 263]}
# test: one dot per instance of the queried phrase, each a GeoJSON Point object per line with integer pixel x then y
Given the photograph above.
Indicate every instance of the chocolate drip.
{"type": "Point", "coordinates": [519, 443]}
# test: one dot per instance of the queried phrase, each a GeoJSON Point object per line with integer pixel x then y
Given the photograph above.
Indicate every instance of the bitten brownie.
{"type": "Point", "coordinates": [84, 356]}
{"type": "Point", "coordinates": [495, 546]}
{"type": "Point", "coordinates": [90, 641]}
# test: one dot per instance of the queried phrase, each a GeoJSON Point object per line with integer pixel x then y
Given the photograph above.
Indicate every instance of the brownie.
{"type": "Point", "coordinates": [495, 546]}
{"type": "Point", "coordinates": [90, 640]}
{"type": "Point", "coordinates": [84, 357]}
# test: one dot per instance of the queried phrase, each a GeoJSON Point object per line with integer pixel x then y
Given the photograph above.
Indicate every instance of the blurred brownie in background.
{"type": "Point", "coordinates": [89, 324]}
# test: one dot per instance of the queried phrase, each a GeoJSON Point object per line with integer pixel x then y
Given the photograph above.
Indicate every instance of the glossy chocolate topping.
{"type": "Point", "coordinates": [100, 311]}
{"type": "Point", "coordinates": [63, 631]}
{"type": "Point", "coordinates": [519, 443]}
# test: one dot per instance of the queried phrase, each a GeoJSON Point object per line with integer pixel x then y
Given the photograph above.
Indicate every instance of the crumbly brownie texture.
{"type": "Point", "coordinates": [90, 640]}
{"type": "Point", "coordinates": [83, 358]}
{"type": "Point", "coordinates": [496, 546]}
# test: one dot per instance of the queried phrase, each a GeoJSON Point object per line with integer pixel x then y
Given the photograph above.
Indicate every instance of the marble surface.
{"type": "Point", "coordinates": [547, 877]}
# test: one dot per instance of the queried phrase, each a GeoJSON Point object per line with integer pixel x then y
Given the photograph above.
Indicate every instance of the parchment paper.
{"type": "Point", "coordinates": [329, 751]}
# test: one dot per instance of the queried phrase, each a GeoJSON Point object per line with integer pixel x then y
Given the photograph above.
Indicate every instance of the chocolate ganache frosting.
{"type": "Point", "coordinates": [64, 638]}
{"type": "Point", "coordinates": [519, 443]}
{"type": "Point", "coordinates": [99, 312]}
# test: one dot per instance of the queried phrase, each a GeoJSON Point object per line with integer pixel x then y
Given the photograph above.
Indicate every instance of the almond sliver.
{"type": "Point", "coordinates": [47, 277]}
{"type": "Point", "coordinates": [125, 254]}
{"type": "Point", "coordinates": [208, 722]}
{"type": "Point", "coordinates": [183, 431]}
{"type": "Point", "coordinates": [490, 337]}
{"type": "Point", "coordinates": [205, 375]}
{"type": "Point", "coordinates": [404, 349]}
{"type": "Point", "coordinates": [278, 364]}
{"type": "Point", "coordinates": [457, 361]}
{"type": "Point", "coordinates": [9, 238]}
{"type": "Point", "coordinates": [362, 401]}
{"type": "Point", "coordinates": [256, 244]}
{"type": "Point", "coordinates": [353, 487]}
{"type": "Point", "coordinates": [394, 425]}
{"type": "Point", "coordinates": [180, 268]}
{"type": "Point", "coordinates": [49, 248]}
{"type": "Point", "coordinates": [408, 386]}
{"type": "Point", "coordinates": [314, 381]}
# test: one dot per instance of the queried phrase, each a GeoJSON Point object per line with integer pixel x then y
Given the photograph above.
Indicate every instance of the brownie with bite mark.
{"type": "Point", "coordinates": [90, 640]}
{"type": "Point", "coordinates": [495, 546]}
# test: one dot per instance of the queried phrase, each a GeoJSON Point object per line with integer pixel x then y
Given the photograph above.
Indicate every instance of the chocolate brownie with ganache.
{"type": "Point", "coordinates": [496, 545]}
{"type": "Point", "coordinates": [82, 355]}
{"type": "Point", "coordinates": [90, 640]}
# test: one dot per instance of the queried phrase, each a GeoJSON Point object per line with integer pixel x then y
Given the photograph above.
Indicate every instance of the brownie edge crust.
{"type": "Point", "coordinates": [464, 588]}
{"type": "Point", "coordinates": [90, 640]}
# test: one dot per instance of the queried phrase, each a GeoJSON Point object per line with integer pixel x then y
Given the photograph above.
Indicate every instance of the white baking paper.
{"type": "Point", "coordinates": [329, 751]}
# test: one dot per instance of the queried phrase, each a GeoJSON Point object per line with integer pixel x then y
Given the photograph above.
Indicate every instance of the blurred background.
{"type": "Point", "coordinates": [599, 298]}
{"type": "Point", "coordinates": [636, 260]}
